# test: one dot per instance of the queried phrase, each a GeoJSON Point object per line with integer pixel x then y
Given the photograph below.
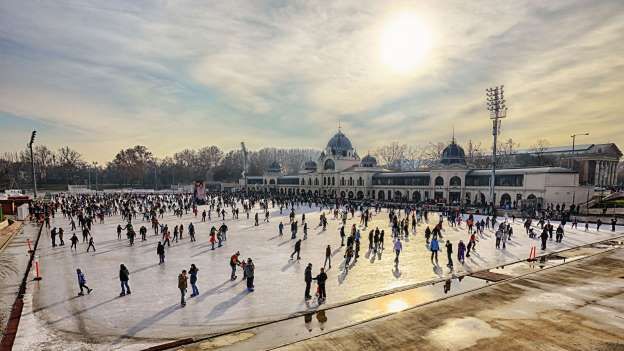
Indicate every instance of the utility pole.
{"type": "Point", "coordinates": [244, 149]}
{"type": "Point", "coordinates": [32, 162]}
{"type": "Point", "coordinates": [496, 105]}
{"type": "Point", "coordinates": [572, 161]}
{"type": "Point", "coordinates": [96, 174]}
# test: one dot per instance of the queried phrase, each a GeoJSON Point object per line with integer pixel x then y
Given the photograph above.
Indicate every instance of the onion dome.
{"type": "Point", "coordinates": [368, 161]}
{"type": "Point", "coordinates": [453, 155]}
{"type": "Point", "coordinates": [275, 167]}
{"type": "Point", "coordinates": [309, 165]}
{"type": "Point", "coordinates": [339, 144]}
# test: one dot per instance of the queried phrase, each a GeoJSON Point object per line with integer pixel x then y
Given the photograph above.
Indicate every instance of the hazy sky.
{"type": "Point", "coordinates": [102, 75]}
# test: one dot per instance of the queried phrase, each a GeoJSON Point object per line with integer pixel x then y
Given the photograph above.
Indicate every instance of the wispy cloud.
{"type": "Point", "coordinates": [184, 74]}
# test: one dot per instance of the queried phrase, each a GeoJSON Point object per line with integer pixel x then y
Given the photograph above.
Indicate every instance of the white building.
{"type": "Point", "coordinates": [339, 172]}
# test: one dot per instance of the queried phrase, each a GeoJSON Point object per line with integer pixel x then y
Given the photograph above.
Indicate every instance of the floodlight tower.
{"type": "Point", "coordinates": [498, 110]}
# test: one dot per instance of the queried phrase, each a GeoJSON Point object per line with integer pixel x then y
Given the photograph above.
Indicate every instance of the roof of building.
{"type": "Point", "coordinates": [402, 174]}
{"type": "Point", "coordinates": [339, 142]}
{"type": "Point", "coordinates": [557, 149]}
{"type": "Point", "coordinates": [453, 154]}
{"type": "Point", "coordinates": [368, 161]}
{"type": "Point", "coordinates": [309, 165]}
{"type": "Point", "coordinates": [528, 170]}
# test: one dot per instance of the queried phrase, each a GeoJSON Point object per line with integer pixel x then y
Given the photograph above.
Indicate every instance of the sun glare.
{"type": "Point", "coordinates": [404, 42]}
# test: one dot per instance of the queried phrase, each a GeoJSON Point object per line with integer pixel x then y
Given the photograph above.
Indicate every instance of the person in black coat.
{"type": "Point", "coordinates": [297, 250]}
{"type": "Point", "coordinates": [320, 280]}
{"type": "Point", "coordinates": [308, 281]}
{"type": "Point", "coordinates": [544, 237]}
{"type": "Point", "coordinates": [160, 251]}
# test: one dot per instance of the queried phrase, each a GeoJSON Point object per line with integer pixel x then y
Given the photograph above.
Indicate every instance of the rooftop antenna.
{"type": "Point", "coordinates": [453, 140]}
{"type": "Point", "coordinates": [339, 125]}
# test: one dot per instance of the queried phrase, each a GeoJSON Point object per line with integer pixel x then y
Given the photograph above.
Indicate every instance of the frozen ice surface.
{"type": "Point", "coordinates": [152, 313]}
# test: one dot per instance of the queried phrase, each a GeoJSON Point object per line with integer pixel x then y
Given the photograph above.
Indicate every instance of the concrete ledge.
{"type": "Point", "coordinates": [8, 233]}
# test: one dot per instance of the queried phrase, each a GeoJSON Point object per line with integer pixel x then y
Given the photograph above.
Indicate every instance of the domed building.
{"type": "Point", "coordinates": [309, 166]}
{"type": "Point", "coordinates": [368, 161]}
{"type": "Point", "coordinates": [339, 154]}
{"type": "Point", "coordinates": [339, 145]}
{"type": "Point", "coordinates": [339, 173]}
{"type": "Point", "coordinates": [453, 155]}
{"type": "Point", "coordinates": [275, 167]}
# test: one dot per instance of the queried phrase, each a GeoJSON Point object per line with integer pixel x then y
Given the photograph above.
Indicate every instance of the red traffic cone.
{"type": "Point", "coordinates": [37, 273]}
{"type": "Point", "coordinates": [532, 253]}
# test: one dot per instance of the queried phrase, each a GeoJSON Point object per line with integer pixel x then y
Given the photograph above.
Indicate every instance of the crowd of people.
{"type": "Point", "coordinates": [84, 211]}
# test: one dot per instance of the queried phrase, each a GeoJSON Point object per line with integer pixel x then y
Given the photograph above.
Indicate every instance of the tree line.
{"type": "Point", "coordinates": [138, 167]}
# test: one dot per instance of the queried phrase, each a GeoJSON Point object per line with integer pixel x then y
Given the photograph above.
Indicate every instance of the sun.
{"type": "Point", "coordinates": [405, 40]}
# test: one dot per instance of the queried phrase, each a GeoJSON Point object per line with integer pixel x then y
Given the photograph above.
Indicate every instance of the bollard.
{"type": "Point", "coordinates": [30, 250]}
{"type": "Point", "coordinates": [37, 274]}
{"type": "Point", "coordinates": [532, 254]}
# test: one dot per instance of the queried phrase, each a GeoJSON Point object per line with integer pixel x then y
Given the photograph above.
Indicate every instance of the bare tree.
{"type": "Point", "coordinates": [432, 153]}
{"type": "Point", "coordinates": [505, 152]}
{"type": "Point", "coordinates": [391, 154]}
{"type": "Point", "coordinates": [538, 149]}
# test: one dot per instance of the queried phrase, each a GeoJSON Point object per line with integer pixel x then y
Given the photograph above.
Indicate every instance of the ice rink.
{"type": "Point", "coordinates": [153, 313]}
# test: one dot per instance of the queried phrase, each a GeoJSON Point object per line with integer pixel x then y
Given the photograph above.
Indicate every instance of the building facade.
{"type": "Point", "coordinates": [340, 172]}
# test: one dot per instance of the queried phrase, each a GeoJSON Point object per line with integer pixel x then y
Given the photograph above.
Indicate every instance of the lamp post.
{"type": "Point", "coordinates": [573, 136]}
{"type": "Point", "coordinates": [496, 105]}
{"type": "Point", "coordinates": [96, 174]}
{"type": "Point", "coordinates": [32, 162]}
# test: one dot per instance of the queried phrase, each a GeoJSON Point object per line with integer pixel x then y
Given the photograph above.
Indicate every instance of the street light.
{"type": "Point", "coordinates": [32, 162]}
{"type": "Point", "coordinates": [96, 174]}
{"type": "Point", "coordinates": [496, 105]}
{"type": "Point", "coordinates": [573, 136]}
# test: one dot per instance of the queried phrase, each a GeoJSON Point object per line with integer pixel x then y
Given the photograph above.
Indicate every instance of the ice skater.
{"type": "Point", "coordinates": [297, 250]}
{"type": "Point", "coordinates": [124, 277]}
{"type": "Point", "coordinates": [82, 283]}
{"type": "Point", "coordinates": [91, 244]}
{"type": "Point", "coordinates": [249, 274]}
{"type": "Point", "coordinates": [193, 273]}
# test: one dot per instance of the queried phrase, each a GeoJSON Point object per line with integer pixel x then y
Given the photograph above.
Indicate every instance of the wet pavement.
{"type": "Point", "coordinates": [55, 318]}
{"type": "Point", "coordinates": [325, 321]}
{"type": "Point", "coordinates": [578, 305]}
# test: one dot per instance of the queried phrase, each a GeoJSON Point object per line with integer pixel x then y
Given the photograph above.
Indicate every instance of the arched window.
{"type": "Point", "coordinates": [360, 181]}
{"type": "Point", "coordinates": [380, 195]}
{"type": "Point", "coordinates": [333, 181]}
{"type": "Point", "coordinates": [350, 181]}
{"type": "Point", "coordinates": [439, 180]}
{"type": "Point", "coordinates": [329, 165]}
{"type": "Point", "coordinates": [309, 181]}
{"type": "Point", "coordinates": [316, 181]}
{"type": "Point", "coordinates": [342, 182]}
{"type": "Point", "coordinates": [416, 196]}
{"type": "Point", "coordinates": [455, 181]}
{"type": "Point", "coordinates": [505, 200]}
{"type": "Point", "coordinates": [324, 181]}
